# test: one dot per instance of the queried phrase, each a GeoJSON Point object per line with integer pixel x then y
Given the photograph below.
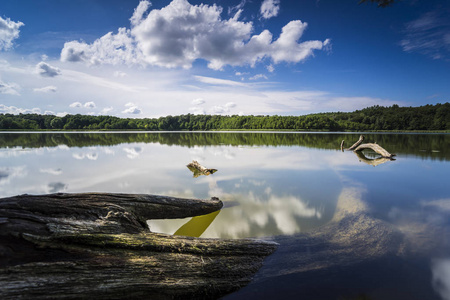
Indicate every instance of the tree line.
{"type": "Point", "coordinates": [428, 117]}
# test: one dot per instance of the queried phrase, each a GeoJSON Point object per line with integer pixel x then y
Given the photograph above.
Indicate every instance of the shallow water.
{"type": "Point", "coordinates": [275, 185]}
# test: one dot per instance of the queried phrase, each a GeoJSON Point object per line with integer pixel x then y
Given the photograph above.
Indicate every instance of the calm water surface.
{"type": "Point", "coordinates": [274, 185]}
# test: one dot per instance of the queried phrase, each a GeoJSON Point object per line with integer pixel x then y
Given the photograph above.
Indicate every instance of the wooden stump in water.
{"type": "Point", "coordinates": [197, 169]}
{"type": "Point", "coordinates": [97, 245]}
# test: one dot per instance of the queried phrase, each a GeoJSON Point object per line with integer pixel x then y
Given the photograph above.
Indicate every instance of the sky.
{"type": "Point", "coordinates": [139, 59]}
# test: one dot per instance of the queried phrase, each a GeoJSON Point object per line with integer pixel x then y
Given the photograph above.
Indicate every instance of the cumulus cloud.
{"type": "Point", "coordinates": [180, 33]}
{"type": "Point", "coordinates": [133, 110]}
{"type": "Point", "coordinates": [198, 101]}
{"type": "Point", "coordinates": [258, 76]}
{"type": "Point", "coordinates": [197, 110]}
{"type": "Point", "coordinates": [46, 70]}
{"type": "Point", "coordinates": [9, 31]}
{"type": "Point", "coordinates": [106, 110]}
{"type": "Point", "coordinates": [46, 89]}
{"type": "Point", "coordinates": [89, 104]}
{"type": "Point", "coordinates": [76, 104]}
{"type": "Point", "coordinates": [429, 35]}
{"type": "Point", "coordinates": [110, 49]}
{"type": "Point", "coordinates": [270, 8]}
{"type": "Point", "coordinates": [16, 110]}
{"type": "Point", "coordinates": [219, 109]}
{"type": "Point", "coordinates": [9, 88]}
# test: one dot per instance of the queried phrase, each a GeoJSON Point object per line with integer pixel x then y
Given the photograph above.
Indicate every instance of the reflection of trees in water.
{"type": "Point", "coordinates": [421, 145]}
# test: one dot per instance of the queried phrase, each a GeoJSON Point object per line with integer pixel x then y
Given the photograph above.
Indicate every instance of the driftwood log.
{"type": "Point", "coordinates": [197, 169]}
{"type": "Point", "coordinates": [375, 147]}
{"type": "Point", "coordinates": [359, 146]}
{"type": "Point", "coordinates": [358, 142]}
{"type": "Point", "coordinates": [96, 245]}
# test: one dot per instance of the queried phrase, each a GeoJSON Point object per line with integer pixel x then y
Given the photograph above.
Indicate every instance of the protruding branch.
{"type": "Point", "coordinates": [355, 145]}
{"type": "Point", "coordinates": [375, 147]}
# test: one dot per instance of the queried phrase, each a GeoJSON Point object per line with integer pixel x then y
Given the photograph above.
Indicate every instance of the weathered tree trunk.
{"type": "Point", "coordinates": [99, 246]}
{"type": "Point", "coordinates": [199, 170]}
{"type": "Point", "coordinates": [361, 139]}
{"type": "Point", "coordinates": [375, 147]}
{"type": "Point", "coordinates": [373, 162]}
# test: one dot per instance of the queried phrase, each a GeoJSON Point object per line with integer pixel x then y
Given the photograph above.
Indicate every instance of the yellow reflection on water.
{"type": "Point", "coordinates": [197, 225]}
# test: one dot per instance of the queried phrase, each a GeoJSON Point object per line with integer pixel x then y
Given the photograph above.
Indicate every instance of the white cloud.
{"type": "Point", "coordinates": [258, 76]}
{"type": "Point", "coordinates": [134, 110]}
{"type": "Point", "coordinates": [9, 88]}
{"type": "Point", "coordinates": [220, 109]}
{"type": "Point", "coordinates": [76, 104]}
{"type": "Point", "coordinates": [270, 8]}
{"type": "Point", "coordinates": [180, 33]}
{"type": "Point", "coordinates": [106, 110]}
{"type": "Point", "coordinates": [217, 81]}
{"type": "Point", "coordinates": [110, 49]}
{"type": "Point", "coordinates": [46, 89]}
{"type": "Point", "coordinates": [51, 171]}
{"type": "Point", "coordinates": [270, 68]}
{"type": "Point", "coordinates": [139, 12]}
{"type": "Point", "coordinates": [197, 110]}
{"type": "Point", "coordinates": [89, 104]}
{"type": "Point", "coordinates": [120, 74]}
{"type": "Point", "coordinates": [9, 31]}
{"type": "Point", "coordinates": [429, 35]}
{"type": "Point", "coordinates": [46, 70]}
{"type": "Point", "coordinates": [15, 110]}
{"type": "Point", "coordinates": [198, 101]}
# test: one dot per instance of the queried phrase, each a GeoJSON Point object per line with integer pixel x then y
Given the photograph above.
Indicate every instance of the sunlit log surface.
{"type": "Point", "coordinates": [97, 245]}
{"type": "Point", "coordinates": [197, 169]}
{"type": "Point", "coordinates": [375, 147]}
{"type": "Point", "coordinates": [355, 145]}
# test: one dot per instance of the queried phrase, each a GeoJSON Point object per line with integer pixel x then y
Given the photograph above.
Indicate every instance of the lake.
{"type": "Point", "coordinates": [349, 226]}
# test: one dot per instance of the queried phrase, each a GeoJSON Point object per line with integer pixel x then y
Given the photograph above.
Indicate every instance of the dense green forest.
{"type": "Point", "coordinates": [428, 117]}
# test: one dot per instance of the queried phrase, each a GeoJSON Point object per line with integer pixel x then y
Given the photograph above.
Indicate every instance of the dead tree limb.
{"type": "Point", "coordinates": [355, 145]}
{"type": "Point", "coordinates": [99, 246]}
{"type": "Point", "coordinates": [375, 147]}
{"type": "Point", "coordinates": [199, 170]}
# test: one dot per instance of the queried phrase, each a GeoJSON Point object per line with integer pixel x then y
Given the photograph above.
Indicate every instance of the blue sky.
{"type": "Point", "coordinates": [132, 58]}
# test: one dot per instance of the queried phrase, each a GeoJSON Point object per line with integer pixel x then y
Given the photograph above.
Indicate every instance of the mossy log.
{"type": "Point", "coordinates": [96, 245]}
{"type": "Point", "coordinates": [375, 147]}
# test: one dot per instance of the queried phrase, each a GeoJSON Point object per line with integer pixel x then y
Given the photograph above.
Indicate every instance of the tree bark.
{"type": "Point", "coordinates": [375, 147]}
{"type": "Point", "coordinates": [353, 147]}
{"type": "Point", "coordinates": [96, 245]}
{"type": "Point", "coordinates": [197, 169]}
